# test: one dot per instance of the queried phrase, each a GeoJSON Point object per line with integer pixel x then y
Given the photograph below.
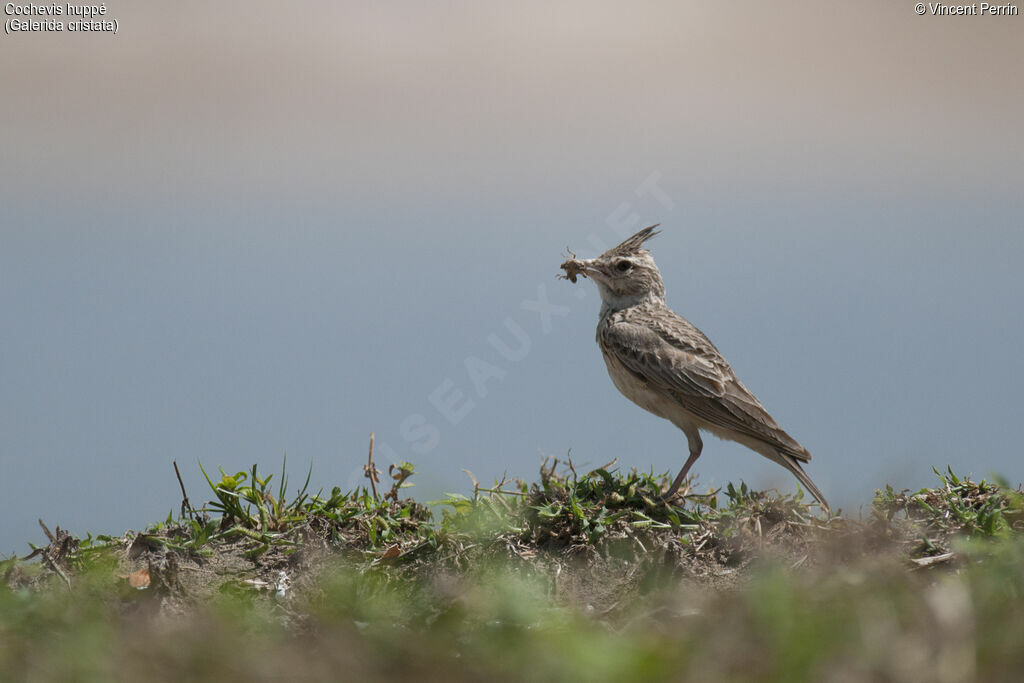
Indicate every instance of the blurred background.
{"type": "Point", "coordinates": [236, 231]}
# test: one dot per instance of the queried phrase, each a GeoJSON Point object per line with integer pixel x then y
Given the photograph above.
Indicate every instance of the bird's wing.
{"type": "Point", "coordinates": [669, 353]}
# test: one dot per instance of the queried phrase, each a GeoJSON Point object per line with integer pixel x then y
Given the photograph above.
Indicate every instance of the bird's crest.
{"type": "Point", "coordinates": [632, 245]}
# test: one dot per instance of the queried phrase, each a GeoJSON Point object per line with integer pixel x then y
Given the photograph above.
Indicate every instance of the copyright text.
{"type": "Point", "coordinates": [974, 9]}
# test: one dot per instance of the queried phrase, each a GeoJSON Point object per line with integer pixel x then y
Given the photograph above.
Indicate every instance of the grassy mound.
{"type": "Point", "coordinates": [575, 576]}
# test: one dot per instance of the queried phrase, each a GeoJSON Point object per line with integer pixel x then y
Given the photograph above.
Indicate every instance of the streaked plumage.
{"type": "Point", "coordinates": [664, 364]}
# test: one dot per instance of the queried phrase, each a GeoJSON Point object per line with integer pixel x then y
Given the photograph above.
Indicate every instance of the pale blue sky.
{"type": "Point", "coordinates": [228, 234]}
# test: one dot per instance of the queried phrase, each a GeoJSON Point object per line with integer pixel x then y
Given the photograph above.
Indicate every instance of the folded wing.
{"type": "Point", "coordinates": [670, 354]}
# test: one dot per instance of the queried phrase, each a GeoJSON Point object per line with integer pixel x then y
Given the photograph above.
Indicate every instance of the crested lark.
{"type": "Point", "coordinates": [665, 365]}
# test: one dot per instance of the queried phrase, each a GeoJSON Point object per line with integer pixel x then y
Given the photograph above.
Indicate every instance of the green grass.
{"type": "Point", "coordinates": [577, 576]}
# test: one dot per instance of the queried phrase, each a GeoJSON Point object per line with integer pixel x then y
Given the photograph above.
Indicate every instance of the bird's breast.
{"type": "Point", "coordinates": [636, 389]}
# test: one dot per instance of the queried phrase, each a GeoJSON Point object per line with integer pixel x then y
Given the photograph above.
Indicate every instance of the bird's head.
{"type": "Point", "coordinates": [625, 274]}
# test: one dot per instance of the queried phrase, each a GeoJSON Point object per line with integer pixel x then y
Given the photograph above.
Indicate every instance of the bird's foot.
{"type": "Point", "coordinates": [672, 494]}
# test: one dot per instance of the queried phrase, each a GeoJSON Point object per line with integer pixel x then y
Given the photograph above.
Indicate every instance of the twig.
{"type": "Point", "coordinates": [48, 558]}
{"type": "Point", "coordinates": [507, 493]}
{"type": "Point", "coordinates": [545, 471]}
{"type": "Point", "coordinates": [476, 484]}
{"type": "Point", "coordinates": [185, 505]}
{"type": "Point", "coordinates": [640, 543]}
{"type": "Point", "coordinates": [934, 559]}
{"type": "Point", "coordinates": [46, 531]}
{"type": "Point", "coordinates": [371, 472]}
{"type": "Point", "coordinates": [56, 567]}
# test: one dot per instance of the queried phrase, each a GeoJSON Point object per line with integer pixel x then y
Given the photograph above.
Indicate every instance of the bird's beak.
{"type": "Point", "coordinates": [591, 268]}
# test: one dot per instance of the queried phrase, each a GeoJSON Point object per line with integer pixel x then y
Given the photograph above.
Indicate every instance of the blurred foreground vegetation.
{"type": "Point", "coordinates": [578, 576]}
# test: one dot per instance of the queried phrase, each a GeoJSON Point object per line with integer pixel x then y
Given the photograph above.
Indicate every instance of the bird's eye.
{"type": "Point", "coordinates": [623, 266]}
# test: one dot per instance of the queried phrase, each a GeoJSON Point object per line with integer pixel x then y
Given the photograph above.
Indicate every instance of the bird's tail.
{"type": "Point", "coordinates": [793, 465]}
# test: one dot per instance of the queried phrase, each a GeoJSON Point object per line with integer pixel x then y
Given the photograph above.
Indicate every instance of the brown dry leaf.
{"type": "Point", "coordinates": [139, 579]}
{"type": "Point", "coordinates": [392, 552]}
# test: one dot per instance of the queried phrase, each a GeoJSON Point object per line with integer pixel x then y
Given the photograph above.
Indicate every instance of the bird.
{"type": "Point", "coordinates": [664, 364]}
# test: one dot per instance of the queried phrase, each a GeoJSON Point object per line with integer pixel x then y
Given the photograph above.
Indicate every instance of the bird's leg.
{"type": "Point", "coordinates": [674, 489]}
